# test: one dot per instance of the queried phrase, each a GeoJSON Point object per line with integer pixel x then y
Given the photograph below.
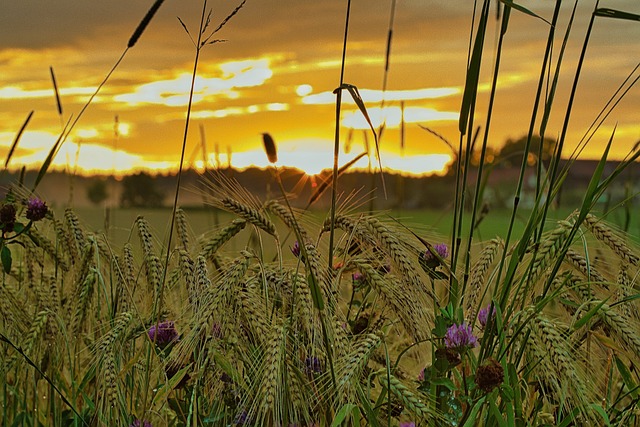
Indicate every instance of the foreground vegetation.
{"type": "Point", "coordinates": [352, 318]}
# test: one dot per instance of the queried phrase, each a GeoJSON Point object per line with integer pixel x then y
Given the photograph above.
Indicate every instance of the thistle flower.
{"type": "Point", "coordinates": [295, 249]}
{"type": "Point", "coordinates": [407, 424]}
{"type": "Point", "coordinates": [7, 217]}
{"type": "Point", "coordinates": [421, 375]}
{"type": "Point", "coordinates": [36, 209]}
{"type": "Point", "coordinates": [483, 315]}
{"type": "Point", "coordinates": [139, 423]}
{"type": "Point", "coordinates": [460, 337]}
{"type": "Point", "coordinates": [489, 375]}
{"type": "Point", "coordinates": [164, 334]}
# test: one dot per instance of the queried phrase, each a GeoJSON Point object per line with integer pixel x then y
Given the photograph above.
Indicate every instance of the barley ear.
{"type": "Point", "coordinates": [607, 236]}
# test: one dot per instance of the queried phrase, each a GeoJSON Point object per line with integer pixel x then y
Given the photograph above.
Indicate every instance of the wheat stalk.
{"type": "Point", "coordinates": [256, 319]}
{"type": "Point", "coordinates": [353, 362]}
{"type": "Point", "coordinates": [549, 249]}
{"type": "Point", "coordinates": [606, 235]}
{"type": "Point", "coordinates": [399, 255]}
{"type": "Point", "coordinates": [270, 387]}
{"type": "Point", "coordinates": [49, 248]}
{"type": "Point", "coordinates": [559, 365]}
{"type": "Point", "coordinates": [120, 323]}
{"type": "Point", "coordinates": [250, 214]}
{"type": "Point", "coordinates": [83, 299]}
{"type": "Point", "coordinates": [212, 246]}
{"type": "Point", "coordinates": [146, 239]}
{"type": "Point", "coordinates": [74, 226]}
{"type": "Point", "coordinates": [410, 400]}
{"type": "Point", "coordinates": [625, 290]}
{"type": "Point", "coordinates": [414, 315]}
{"type": "Point", "coordinates": [581, 264]}
{"type": "Point", "coordinates": [478, 273]}
{"type": "Point", "coordinates": [182, 229]}
{"type": "Point", "coordinates": [288, 218]}
{"type": "Point", "coordinates": [110, 376]}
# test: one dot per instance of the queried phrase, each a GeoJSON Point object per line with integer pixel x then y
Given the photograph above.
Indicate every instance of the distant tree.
{"type": "Point", "coordinates": [97, 191]}
{"type": "Point", "coordinates": [140, 190]}
{"type": "Point", "coordinates": [512, 151]}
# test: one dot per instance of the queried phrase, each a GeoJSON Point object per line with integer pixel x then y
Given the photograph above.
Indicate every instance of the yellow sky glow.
{"type": "Point", "coordinates": [278, 76]}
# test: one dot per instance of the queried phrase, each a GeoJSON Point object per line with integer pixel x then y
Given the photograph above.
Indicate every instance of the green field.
{"type": "Point", "coordinates": [118, 223]}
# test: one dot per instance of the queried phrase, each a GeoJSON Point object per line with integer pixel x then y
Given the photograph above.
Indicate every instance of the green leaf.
{"type": "Point", "coordinates": [600, 410]}
{"type": "Point", "coordinates": [580, 323]}
{"type": "Point", "coordinates": [473, 73]}
{"type": "Point", "coordinates": [316, 295]}
{"type": "Point", "coordinates": [163, 392]}
{"type": "Point", "coordinates": [445, 382]}
{"type": "Point", "coordinates": [343, 413]}
{"type": "Point", "coordinates": [616, 14]}
{"type": "Point", "coordinates": [625, 373]}
{"type": "Point", "coordinates": [497, 416]}
{"type": "Point", "coordinates": [566, 422]}
{"type": "Point", "coordinates": [227, 368]}
{"type": "Point", "coordinates": [473, 415]}
{"type": "Point", "coordinates": [5, 256]}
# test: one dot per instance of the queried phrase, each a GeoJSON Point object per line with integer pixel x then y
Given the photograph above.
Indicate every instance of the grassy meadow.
{"type": "Point", "coordinates": [274, 316]}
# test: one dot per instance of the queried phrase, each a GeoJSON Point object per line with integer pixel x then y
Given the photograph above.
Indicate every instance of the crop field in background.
{"type": "Point", "coordinates": [116, 223]}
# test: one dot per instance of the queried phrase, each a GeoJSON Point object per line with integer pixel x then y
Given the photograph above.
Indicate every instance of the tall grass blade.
{"type": "Point", "coordinates": [616, 14]}
{"type": "Point", "coordinates": [325, 184]}
{"type": "Point", "coordinates": [52, 154]}
{"type": "Point", "coordinates": [17, 139]}
{"type": "Point", "coordinates": [55, 89]}
{"type": "Point", "coordinates": [523, 9]}
{"type": "Point", "coordinates": [355, 94]}
{"type": "Point", "coordinates": [473, 74]}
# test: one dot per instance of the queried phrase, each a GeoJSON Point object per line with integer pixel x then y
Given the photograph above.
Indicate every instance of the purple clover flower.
{"type": "Point", "coordinates": [429, 261]}
{"type": "Point", "coordinates": [460, 337]}
{"type": "Point", "coordinates": [313, 365]}
{"type": "Point", "coordinates": [295, 249]}
{"type": "Point", "coordinates": [358, 279]}
{"type": "Point", "coordinates": [216, 330]}
{"type": "Point", "coordinates": [483, 315]}
{"type": "Point", "coordinates": [139, 423]}
{"type": "Point", "coordinates": [36, 209]}
{"type": "Point", "coordinates": [164, 334]}
{"type": "Point", "coordinates": [242, 418]}
{"type": "Point", "coordinates": [407, 424]}
{"type": "Point", "coordinates": [440, 248]}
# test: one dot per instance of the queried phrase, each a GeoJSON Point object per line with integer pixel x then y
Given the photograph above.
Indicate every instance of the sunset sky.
{"type": "Point", "coordinates": [276, 72]}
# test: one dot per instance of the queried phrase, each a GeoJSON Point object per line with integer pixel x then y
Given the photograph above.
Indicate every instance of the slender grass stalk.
{"type": "Point", "coordinates": [523, 166]}
{"type": "Point", "coordinates": [465, 125]}
{"type": "Point", "coordinates": [454, 298]}
{"type": "Point", "coordinates": [565, 126]}
{"type": "Point", "coordinates": [336, 145]}
{"type": "Point", "coordinates": [200, 43]}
